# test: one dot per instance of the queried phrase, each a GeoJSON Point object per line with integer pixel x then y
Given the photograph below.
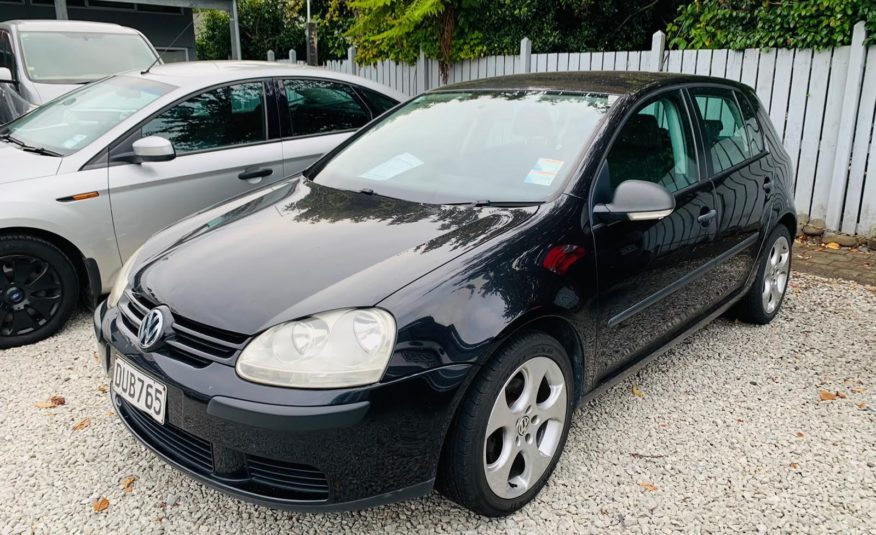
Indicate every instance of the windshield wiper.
{"type": "Point", "coordinates": [40, 150]}
{"type": "Point", "coordinates": [9, 138]}
{"type": "Point", "coordinates": [496, 204]}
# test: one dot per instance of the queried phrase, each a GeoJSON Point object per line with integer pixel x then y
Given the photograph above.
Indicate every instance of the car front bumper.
{"type": "Point", "coordinates": [320, 450]}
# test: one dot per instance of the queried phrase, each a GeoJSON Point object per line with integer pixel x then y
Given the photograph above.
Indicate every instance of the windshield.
{"type": "Point", "coordinates": [457, 147]}
{"type": "Point", "coordinates": [79, 57]}
{"type": "Point", "coordinates": [71, 122]}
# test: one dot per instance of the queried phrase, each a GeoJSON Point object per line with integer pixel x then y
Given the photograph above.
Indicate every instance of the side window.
{"type": "Point", "coordinates": [725, 131]}
{"type": "Point", "coordinates": [378, 102]}
{"type": "Point", "coordinates": [653, 145]}
{"type": "Point", "coordinates": [7, 59]}
{"type": "Point", "coordinates": [321, 106]}
{"type": "Point", "coordinates": [752, 126]}
{"type": "Point", "coordinates": [222, 117]}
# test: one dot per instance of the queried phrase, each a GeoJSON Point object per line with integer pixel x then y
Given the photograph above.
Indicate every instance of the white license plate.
{"type": "Point", "coordinates": [139, 390]}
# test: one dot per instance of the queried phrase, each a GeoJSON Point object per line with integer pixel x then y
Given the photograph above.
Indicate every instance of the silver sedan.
{"type": "Point", "coordinates": [85, 179]}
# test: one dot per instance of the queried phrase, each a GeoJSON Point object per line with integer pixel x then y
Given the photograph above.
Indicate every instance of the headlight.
{"type": "Point", "coordinates": [122, 280]}
{"type": "Point", "coordinates": [337, 349]}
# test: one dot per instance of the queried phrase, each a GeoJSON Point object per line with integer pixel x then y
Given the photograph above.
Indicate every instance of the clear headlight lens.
{"type": "Point", "coordinates": [122, 280]}
{"type": "Point", "coordinates": [337, 349]}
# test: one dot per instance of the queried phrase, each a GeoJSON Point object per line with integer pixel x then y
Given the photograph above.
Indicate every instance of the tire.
{"type": "Point", "coordinates": [39, 290]}
{"type": "Point", "coordinates": [766, 295]}
{"type": "Point", "coordinates": [518, 447]}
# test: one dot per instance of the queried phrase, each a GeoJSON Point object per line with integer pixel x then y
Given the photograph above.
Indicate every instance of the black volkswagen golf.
{"type": "Point", "coordinates": [427, 305]}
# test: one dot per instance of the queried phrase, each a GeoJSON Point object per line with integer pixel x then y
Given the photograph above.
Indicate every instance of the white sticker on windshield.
{"type": "Point", "coordinates": [393, 167]}
{"type": "Point", "coordinates": [74, 141]}
{"type": "Point", "coordinates": [543, 172]}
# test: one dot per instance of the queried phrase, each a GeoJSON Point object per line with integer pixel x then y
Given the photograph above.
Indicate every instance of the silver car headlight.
{"type": "Point", "coordinates": [122, 280]}
{"type": "Point", "coordinates": [336, 349]}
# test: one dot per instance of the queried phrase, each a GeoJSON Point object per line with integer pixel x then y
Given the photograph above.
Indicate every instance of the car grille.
{"type": "Point", "coordinates": [264, 476]}
{"type": "Point", "coordinates": [295, 481]}
{"type": "Point", "coordinates": [183, 447]}
{"type": "Point", "coordinates": [190, 341]}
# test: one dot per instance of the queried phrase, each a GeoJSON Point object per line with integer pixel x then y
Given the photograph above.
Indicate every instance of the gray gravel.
{"type": "Point", "coordinates": [731, 433]}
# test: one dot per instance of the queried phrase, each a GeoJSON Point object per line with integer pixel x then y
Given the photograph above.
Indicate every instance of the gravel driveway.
{"type": "Point", "coordinates": [730, 433]}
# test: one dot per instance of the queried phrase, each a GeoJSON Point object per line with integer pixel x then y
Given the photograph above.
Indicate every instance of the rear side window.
{"type": "Point", "coordinates": [654, 145]}
{"type": "Point", "coordinates": [222, 117]}
{"type": "Point", "coordinates": [378, 102]}
{"type": "Point", "coordinates": [321, 107]}
{"type": "Point", "coordinates": [752, 126]}
{"type": "Point", "coordinates": [726, 134]}
{"type": "Point", "coordinates": [7, 59]}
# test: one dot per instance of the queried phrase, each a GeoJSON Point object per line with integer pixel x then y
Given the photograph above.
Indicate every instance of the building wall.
{"type": "Point", "coordinates": [159, 27]}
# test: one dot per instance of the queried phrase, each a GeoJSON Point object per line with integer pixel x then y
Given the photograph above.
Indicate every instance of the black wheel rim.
{"type": "Point", "coordinates": [30, 294]}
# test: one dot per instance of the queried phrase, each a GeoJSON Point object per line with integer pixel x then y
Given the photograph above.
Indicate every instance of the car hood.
{"type": "Point", "coordinates": [20, 165]}
{"type": "Point", "coordinates": [305, 248]}
{"type": "Point", "coordinates": [49, 92]}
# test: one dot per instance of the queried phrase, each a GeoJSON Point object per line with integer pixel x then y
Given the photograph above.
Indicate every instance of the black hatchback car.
{"type": "Point", "coordinates": [429, 302]}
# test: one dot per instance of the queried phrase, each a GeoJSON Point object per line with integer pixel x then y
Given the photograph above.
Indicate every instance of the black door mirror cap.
{"type": "Point", "coordinates": [638, 200]}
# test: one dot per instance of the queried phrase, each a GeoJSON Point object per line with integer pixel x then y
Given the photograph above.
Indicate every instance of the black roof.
{"type": "Point", "coordinates": [611, 82]}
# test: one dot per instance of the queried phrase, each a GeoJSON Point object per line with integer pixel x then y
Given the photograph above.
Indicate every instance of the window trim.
{"type": "Point", "coordinates": [639, 105]}
{"type": "Point", "coordinates": [95, 162]}
{"type": "Point", "coordinates": [286, 121]}
{"type": "Point", "coordinates": [710, 172]}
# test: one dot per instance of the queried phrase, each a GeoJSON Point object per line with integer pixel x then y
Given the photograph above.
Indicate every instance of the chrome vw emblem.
{"type": "Point", "coordinates": [151, 329]}
{"type": "Point", "coordinates": [523, 425]}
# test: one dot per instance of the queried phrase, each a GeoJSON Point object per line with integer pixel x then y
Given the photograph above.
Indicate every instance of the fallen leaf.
{"type": "Point", "coordinates": [82, 424]}
{"type": "Point", "coordinates": [858, 390]}
{"type": "Point", "coordinates": [100, 505]}
{"type": "Point", "coordinates": [833, 245]}
{"type": "Point", "coordinates": [862, 406]}
{"type": "Point", "coordinates": [794, 466]}
{"type": "Point", "coordinates": [110, 413]}
{"type": "Point", "coordinates": [840, 395]}
{"type": "Point", "coordinates": [648, 487]}
{"type": "Point", "coordinates": [158, 519]}
{"type": "Point", "coordinates": [128, 483]}
{"type": "Point", "coordinates": [826, 396]}
{"type": "Point", "coordinates": [54, 401]}
{"type": "Point", "coordinates": [58, 400]}
{"type": "Point", "coordinates": [638, 393]}
{"type": "Point", "coordinates": [96, 357]}
{"type": "Point", "coordinates": [103, 389]}
{"type": "Point", "coordinates": [800, 435]}
{"type": "Point", "coordinates": [740, 420]}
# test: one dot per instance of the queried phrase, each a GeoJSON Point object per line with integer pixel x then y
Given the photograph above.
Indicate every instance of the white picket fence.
{"type": "Point", "coordinates": [822, 103]}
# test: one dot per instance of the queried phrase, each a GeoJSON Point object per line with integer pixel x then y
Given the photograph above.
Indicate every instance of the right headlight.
{"type": "Point", "coordinates": [336, 349]}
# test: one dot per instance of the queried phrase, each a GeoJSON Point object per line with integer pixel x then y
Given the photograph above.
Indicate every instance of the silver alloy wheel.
{"type": "Point", "coordinates": [525, 427]}
{"type": "Point", "coordinates": [775, 276]}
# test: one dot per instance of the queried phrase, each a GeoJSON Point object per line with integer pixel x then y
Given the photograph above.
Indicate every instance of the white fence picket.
{"type": "Point", "coordinates": [857, 216]}
{"type": "Point", "coordinates": [766, 75]}
{"type": "Point", "coordinates": [778, 104]}
{"type": "Point", "coordinates": [812, 130]}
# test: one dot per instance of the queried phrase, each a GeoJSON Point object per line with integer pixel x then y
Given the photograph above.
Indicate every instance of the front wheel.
{"type": "Point", "coordinates": [38, 290]}
{"type": "Point", "coordinates": [763, 301]}
{"type": "Point", "coordinates": [511, 428]}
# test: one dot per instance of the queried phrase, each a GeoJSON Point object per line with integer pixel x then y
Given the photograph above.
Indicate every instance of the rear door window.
{"type": "Point", "coordinates": [724, 128]}
{"type": "Point", "coordinates": [323, 106]}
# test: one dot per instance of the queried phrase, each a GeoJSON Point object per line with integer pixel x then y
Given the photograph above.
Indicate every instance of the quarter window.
{"type": "Point", "coordinates": [222, 117]}
{"type": "Point", "coordinates": [726, 133]}
{"type": "Point", "coordinates": [654, 145]}
{"type": "Point", "coordinates": [378, 102]}
{"type": "Point", "coordinates": [7, 59]}
{"type": "Point", "coordinates": [320, 107]}
{"type": "Point", "coordinates": [752, 126]}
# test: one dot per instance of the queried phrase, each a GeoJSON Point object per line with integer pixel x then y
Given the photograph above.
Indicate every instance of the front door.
{"type": "Point", "coordinates": [649, 271]}
{"type": "Point", "coordinates": [222, 146]}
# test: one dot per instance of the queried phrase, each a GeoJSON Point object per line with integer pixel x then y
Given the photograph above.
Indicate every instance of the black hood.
{"type": "Point", "coordinates": [305, 248]}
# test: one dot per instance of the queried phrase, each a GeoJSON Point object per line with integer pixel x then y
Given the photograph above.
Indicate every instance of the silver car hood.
{"type": "Point", "coordinates": [16, 164]}
{"type": "Point", "coordinates": [47, 92]}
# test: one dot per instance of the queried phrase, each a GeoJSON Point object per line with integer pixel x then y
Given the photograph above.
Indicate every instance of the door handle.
{"type": "Point", "coordinates": [767, 185]}
{"type": "Point", "coordinates": [256, 173]}
{"type": "Point", "coordinates": [707, 217]}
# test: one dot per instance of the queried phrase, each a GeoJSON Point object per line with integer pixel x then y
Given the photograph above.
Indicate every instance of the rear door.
{"type": "Point", "coordinates": [315, 116]}
{"type": "Point", "coordinates": [223, 148]}
{"type": "Point", "coordinates": [733, 150]}
{"type": "Point", "coordinates": [650, 272]}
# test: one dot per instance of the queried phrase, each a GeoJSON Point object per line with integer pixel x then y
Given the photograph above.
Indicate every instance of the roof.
{"type": "Point", "coordinates": [610, 82]}
{"type": "Point", "coordinates": [66, 26]}
{"type": "Point", "coordinates": [196, 74]}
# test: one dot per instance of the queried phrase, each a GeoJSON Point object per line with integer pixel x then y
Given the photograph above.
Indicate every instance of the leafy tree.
{"type": "Point", "coordinates": [739, 24]}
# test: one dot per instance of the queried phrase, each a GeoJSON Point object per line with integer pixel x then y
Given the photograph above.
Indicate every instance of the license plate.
{"type": "Point", "coordinates": [139, 389]}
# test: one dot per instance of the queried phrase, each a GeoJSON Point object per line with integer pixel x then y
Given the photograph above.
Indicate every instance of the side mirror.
{"type": "Point", "coordinates": [637, 200]}
{"type": "Point", "coordinates": [6, 76]}
{"type": "Point", "coordinates": [153, 149]}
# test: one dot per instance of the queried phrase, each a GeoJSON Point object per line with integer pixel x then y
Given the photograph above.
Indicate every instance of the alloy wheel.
{"type": "Point", "coordinates": [775, 277]}
{"type": "Point", "coordinates": [30, 294]}
{"type": "Point", "coordinates": [525, 427]}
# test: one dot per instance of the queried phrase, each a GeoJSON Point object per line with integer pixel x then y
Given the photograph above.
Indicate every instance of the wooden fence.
{"type": "Point", "coordinates": [822, 103]}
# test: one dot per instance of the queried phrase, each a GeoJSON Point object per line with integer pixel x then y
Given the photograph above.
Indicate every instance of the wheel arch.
{"type": "Point", "coordinates": [790, 221]}
{"type": "Point", "coordinates": [86, 268]}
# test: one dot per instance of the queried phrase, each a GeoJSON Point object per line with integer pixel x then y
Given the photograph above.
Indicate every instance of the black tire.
{"type": "Point", "coordinates": [461, 474]}
{"type": "Point", "coordinates": [751, 308]}
{"type": "Point", "coordinates": [39, 289]}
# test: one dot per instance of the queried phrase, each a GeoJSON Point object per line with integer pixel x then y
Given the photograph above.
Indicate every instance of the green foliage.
{"type": "Point", "coordinates": [212, 38]}
{"type": "Point", "coordinates": [739, 24]}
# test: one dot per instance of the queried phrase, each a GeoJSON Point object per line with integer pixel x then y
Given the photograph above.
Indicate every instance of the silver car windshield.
{"type": "Point", "coordinates": [78, 57]}
{"type": "Point", "coordinates": [72, 121]}
{"type": "Point", "coordinates": [459, 147]}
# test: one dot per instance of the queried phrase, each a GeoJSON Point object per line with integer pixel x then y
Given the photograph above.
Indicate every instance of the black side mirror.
{"type": "Point", "coordinates": [637, 200]}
